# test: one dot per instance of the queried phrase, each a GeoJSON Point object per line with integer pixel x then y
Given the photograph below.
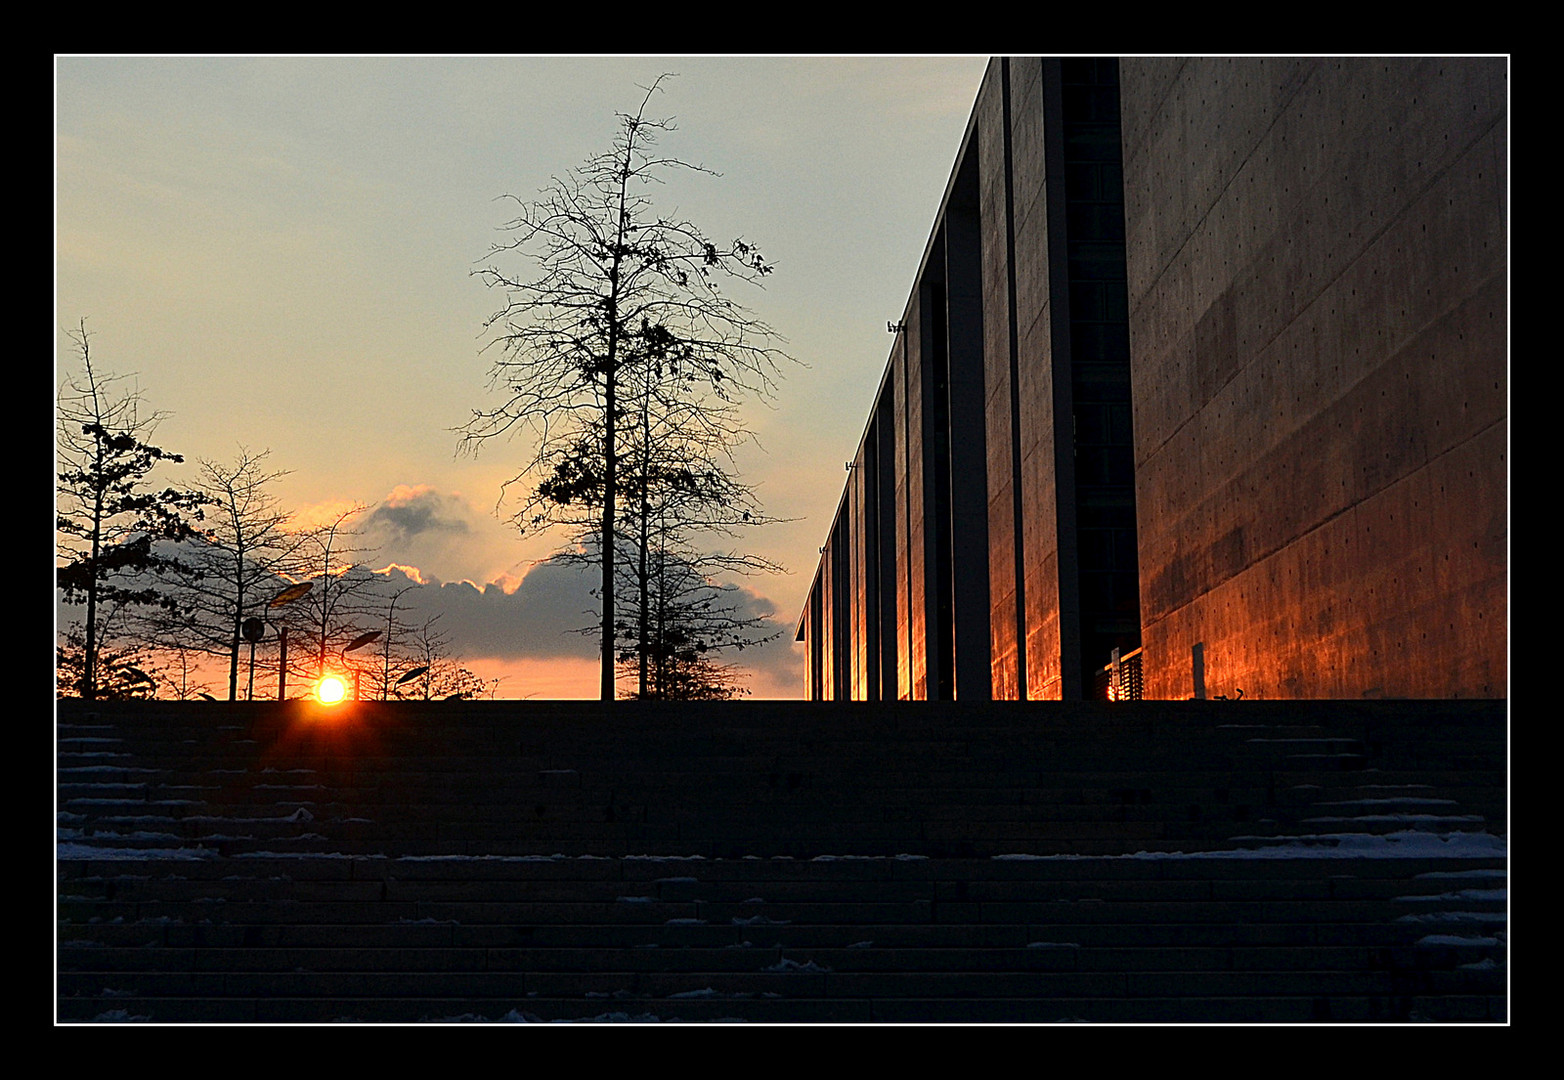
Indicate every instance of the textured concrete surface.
{"type": "Point", "coordinates": [1318, 320]}
{"type": "Point", "coordinates": [1316, 257]}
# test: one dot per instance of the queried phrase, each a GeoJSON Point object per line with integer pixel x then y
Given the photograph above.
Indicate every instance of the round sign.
{"type": "Point", "coordinates": [254, 629]}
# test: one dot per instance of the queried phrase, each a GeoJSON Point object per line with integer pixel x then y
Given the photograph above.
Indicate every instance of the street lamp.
{"type": "Point", "coordinates": [253, 629]}
{"type": "Point", "coordinates": [358, 643]}
{"type": "Point", "coordinates": [287, 596]}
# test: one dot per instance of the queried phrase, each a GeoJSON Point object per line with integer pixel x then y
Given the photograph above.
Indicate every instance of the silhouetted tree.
{"type": "Point", "coordinates": [341, 606]}
{"type": "Point", "coordinates": [683, 495]}
{"type": "Point", "coordinates": [613, 288]}
{"type": "Point", "coordinates": [242, 555]}
{"type": "Point", "coordinates": [435, 674]}
{"type": "Point", "coordinates": [693, 622]}
{"type": "Point", "coordinates": [122, 670]}
{"type": "Point", "coordinates": [180, 671]}
{"type": "Point", "coordinates": [109, 519]}
{"type": "Point", "coordinates": [393, 647]}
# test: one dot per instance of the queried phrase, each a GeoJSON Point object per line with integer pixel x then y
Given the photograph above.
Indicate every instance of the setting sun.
{"type": "Point", "coordinates": [331, 690]}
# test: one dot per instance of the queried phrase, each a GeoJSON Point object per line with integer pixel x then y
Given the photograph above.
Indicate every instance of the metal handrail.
{"type": "Point", "coordinates": [1120, 679]}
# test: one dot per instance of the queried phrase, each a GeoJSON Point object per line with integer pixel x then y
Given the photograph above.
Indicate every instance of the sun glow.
{"type": "Point", "coordinates": [330, 690]}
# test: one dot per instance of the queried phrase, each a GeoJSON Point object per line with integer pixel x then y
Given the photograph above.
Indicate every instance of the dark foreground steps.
{"type": "Point", "coordinates": [1146, 862]}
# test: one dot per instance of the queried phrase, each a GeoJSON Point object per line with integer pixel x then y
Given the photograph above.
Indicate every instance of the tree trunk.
{"type": "Point", "coordinates": [89, 679]}
{"type": "Point", "coordinates": [643, 609]}
{"type": "Point", "coordinates": [233, 660]}
{"type": "Point", "coordinates": [609, 479]}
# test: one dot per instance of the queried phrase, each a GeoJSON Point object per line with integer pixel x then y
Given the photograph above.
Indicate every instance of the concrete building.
{"type": "Point", "coordinates": [1205, 366]}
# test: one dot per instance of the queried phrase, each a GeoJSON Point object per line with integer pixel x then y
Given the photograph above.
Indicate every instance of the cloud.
{"type": "Point", "coordinates": [776, 666]}
{"type": "Point", "coordinates": [527, 630]}
{"type": "Point", "coordinates": [535, 618]}
{"type": "Point", "coordinates": [411, 573]}
{"type": "Point", "coordinates": [540, 619]}
{"type": "Point", "coordinates": [411, 511]}
{"type": "Point", "coordinates": [441, 533]}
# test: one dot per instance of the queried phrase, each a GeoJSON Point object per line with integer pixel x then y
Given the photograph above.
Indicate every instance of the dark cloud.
{"type": "Point", "coordinates": [544, 616]}
{"type": "Point", "coordinates": [410, 512]}
{"type": "Point", "coordinates": [441, 533]}
{"type": "Point", "coordinates": [776, 665]}
{"type": "Point", "coordinates": [538, 619]}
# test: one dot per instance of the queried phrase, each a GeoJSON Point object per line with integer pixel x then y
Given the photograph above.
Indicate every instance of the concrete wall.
{"type": "Point", "coordinates": [1316, 261]}
{"type": "Point", "coordinates": [1316, 257]}
{"type": "Point", "coordinates": [1040, 465]}
{"type": "Point", "coordinates": [1001, 407]}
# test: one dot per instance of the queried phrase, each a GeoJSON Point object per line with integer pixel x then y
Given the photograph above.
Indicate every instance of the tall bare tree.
{"type": "Point", "coordinates": [110, 519]}
{"type": "Point", "coordinates": [683, 496]}
{"type": "Point", "coordinates": [611, 285]}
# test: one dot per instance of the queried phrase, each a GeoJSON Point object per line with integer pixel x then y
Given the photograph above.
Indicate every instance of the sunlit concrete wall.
{"type": "Point", "coordinates": [961, 307]}
{"type": "Point", "coordinates": [1316, 258]}
{"type": "Point", "coordinates": [1023, 527]}
{"type": "Point", "coordinates": [1001, 402]}
{"type": "Point", "coordinates": [1040, 465]}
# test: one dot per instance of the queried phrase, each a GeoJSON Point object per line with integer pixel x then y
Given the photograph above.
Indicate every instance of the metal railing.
{"type": "Point", "coordinates": [1120, 680]}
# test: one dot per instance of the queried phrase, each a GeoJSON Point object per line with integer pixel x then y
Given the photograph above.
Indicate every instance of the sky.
{"type": "Point", "coordinates": [281, 249]}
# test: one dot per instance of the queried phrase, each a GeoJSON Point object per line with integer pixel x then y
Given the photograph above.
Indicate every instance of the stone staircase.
{"type": "Point", "coordinates": [1248, 862]}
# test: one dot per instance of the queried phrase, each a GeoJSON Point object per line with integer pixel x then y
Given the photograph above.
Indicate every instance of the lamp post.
{"type": "Point", "coordinates": [253, 629]}
{"type": "Point", "coordinates": [287, 596]}
{"type": "Point", "coordinates": [358, 643]}
{"type": "Point", "coordinates": [411, 675]}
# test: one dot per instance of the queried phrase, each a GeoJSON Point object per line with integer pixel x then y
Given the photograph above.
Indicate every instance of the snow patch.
{"type": "Point", "coordinates": [1464, 894]}
{"type": "Point", "coordinates": [1408, 844]}
{"type": "Point", "coordinates": [661, 858]}
{"type": "Point", "coordinates": [861, 858]}
{"type": "Point", "coordinates": [1454, 939]}
{"type": "Point", "coordinates": [76, 850]}
{"type": "Point", "coordinates": [785, 964]}
{"type": "Point", "coordinates": [1463, 874]}
{"type": "Point", "coordinates": [302, 855]}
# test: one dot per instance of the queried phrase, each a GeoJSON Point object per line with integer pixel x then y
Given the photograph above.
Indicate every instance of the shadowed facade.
{"type": "Point", "coordinates": [1205, 366]}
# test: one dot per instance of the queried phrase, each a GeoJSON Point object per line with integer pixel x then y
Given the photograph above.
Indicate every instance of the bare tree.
{"type": "Point", "coordinates": [393, 646]}
{"type": "Point", "coordinates": [613, 288]}
{"type": "Point", "coordinates": [181, 673]}
{"type": "Point", "coordinates": [681, 496]}
{"type": "Point", "coordinates": [694, 621]}
{"type": "Point", "coordinates": [109, 518]}
{"type": "Point", "coordinates": [687, 497]}
{"type": "Point", "coordinates": [341, 606]}
{"type": "Point", "coordinates": [436, 674]}
{"type": "Point", "coordinates": [242, 556]}
{"type": "Point", "coordinates": [123, 670]}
